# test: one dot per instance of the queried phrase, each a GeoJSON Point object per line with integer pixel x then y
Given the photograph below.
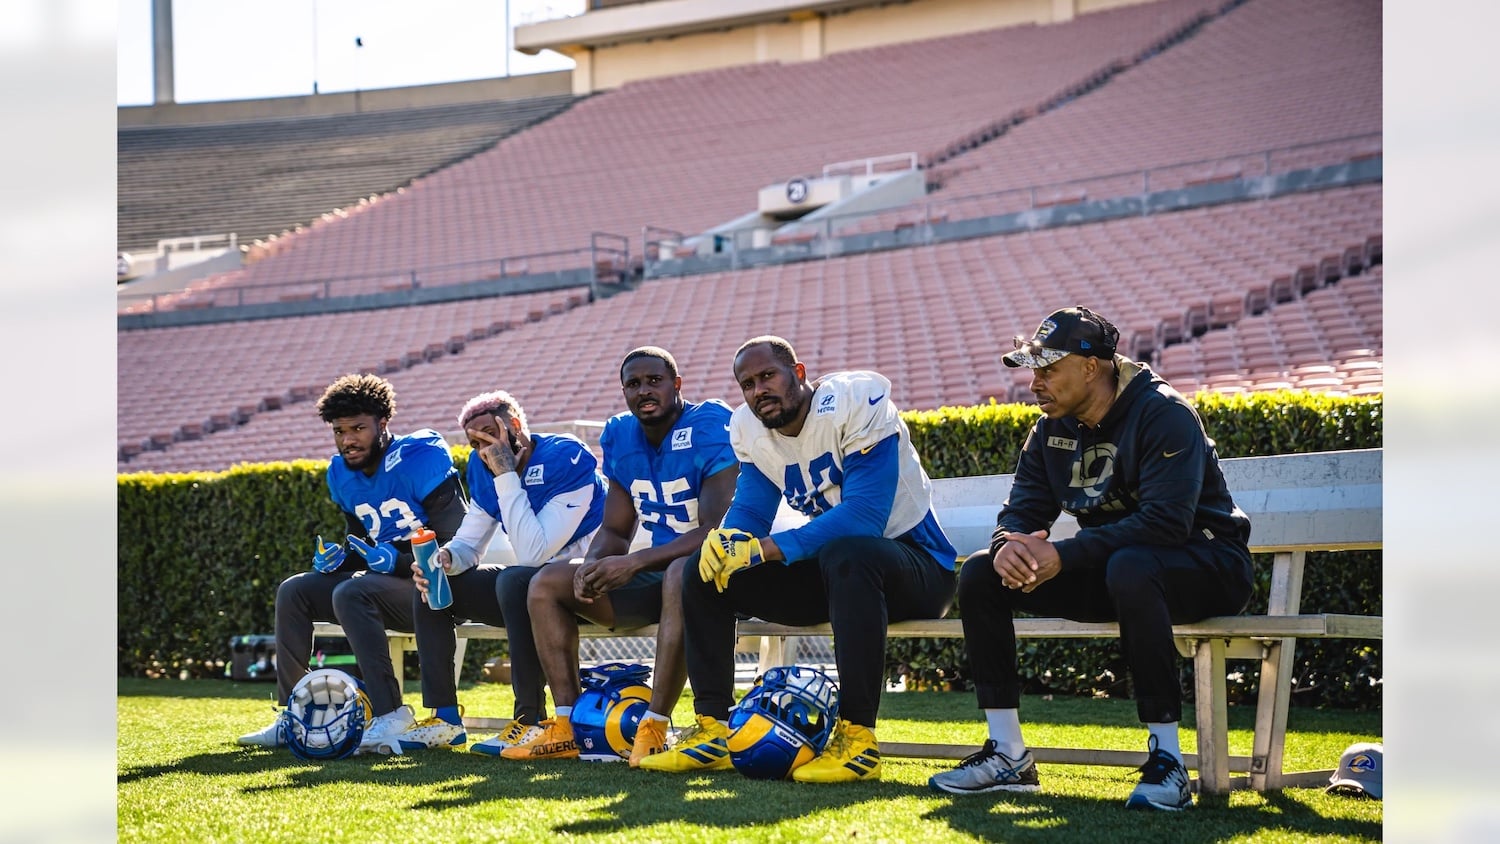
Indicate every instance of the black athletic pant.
{"type": "Point", "coordinates": [858, 583]}
{"type": "Point", "coordinates": [1146, 588]}
{"type": "Point", "coordinates": [365, 604]}
{"type": "Point", "coordinates": [481, 594]}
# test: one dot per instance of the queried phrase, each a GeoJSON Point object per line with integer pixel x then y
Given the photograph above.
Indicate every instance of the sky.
{"type": "Point", "coordinates": [248, 49]}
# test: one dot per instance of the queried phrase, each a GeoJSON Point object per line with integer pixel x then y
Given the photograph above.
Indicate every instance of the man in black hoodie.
{"type": "Point", "coordinates": [1160, 542]}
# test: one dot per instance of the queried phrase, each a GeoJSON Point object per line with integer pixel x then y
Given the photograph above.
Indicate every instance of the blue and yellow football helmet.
{"type": "Point", "coordinates": [614, 699]}
{"type": "Point", "coordinates": [783, 722]}
{"type": "Point", "coordinates": [326, 715]}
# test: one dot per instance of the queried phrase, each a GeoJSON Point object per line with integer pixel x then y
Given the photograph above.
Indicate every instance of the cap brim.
{"type": "Point", "coordinates": [1347, 785]}
{"type": "Point", "coordinates": [1043, 357]}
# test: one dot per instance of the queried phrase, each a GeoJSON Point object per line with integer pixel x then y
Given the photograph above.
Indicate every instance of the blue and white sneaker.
{"type": "Point", "coordinates": [386, 727]}
{"type": "Point", "coordinates": [988, 770]}
{"type": "Point", "coordinates": [272, 736]}
{"type": "Point", "coordinates": [429, 732]}
{"type": "Point", "coordinates": [1163, 785]}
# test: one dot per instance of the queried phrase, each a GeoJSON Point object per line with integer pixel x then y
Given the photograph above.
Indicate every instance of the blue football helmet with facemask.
{"type": "Point", "coordinates": [783, 722]}
{"type": "Point", "coordinates": [609, 709]}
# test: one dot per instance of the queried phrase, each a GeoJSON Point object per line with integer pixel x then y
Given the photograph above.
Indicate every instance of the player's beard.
{"type": "Point", "coordinates": [373, 456]}
{"type": "Point", "coordinates": [780, 419]}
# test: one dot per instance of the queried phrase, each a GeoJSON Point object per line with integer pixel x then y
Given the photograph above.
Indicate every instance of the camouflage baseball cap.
{"type": "Point", "coordinates": [1070, 331]}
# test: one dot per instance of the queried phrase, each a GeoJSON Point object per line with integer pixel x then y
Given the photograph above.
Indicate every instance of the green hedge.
{"type": "Point", "coordinates": [985, 440]}
{"type": "Point", "coordinates": [200, 555]}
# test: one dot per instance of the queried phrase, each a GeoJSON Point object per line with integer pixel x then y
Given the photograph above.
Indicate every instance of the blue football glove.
{"type": "Point", "coordinates": [327, 557]}
{"type": "Point", "coordinates": [381, 556]}
{"type": "Point", "coordinates": [726, 551]}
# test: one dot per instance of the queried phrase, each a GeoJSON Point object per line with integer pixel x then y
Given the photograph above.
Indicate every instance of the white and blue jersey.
{"type": "Point", "coordinates": [852, 470]}
{"type": "Point", "coordinates": [666, 482]}
{"type": "Point", "coordinates": [549, 511]}
{"type": "Point", "coordinates": [389, 502]}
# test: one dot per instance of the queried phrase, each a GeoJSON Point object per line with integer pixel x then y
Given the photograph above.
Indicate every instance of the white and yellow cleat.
{"type": "Point", "coordinates": [513, 734]}
{"type": "Point", "coordinates": [555, 741]}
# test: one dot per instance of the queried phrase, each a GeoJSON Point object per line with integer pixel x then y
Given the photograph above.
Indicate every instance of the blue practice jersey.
{"type": "Point", "coordinates": [665, 483]}
{"type": "Point", "coordinates": [559, 463]}
{"type": "Point", "coordinates": [389, 502]}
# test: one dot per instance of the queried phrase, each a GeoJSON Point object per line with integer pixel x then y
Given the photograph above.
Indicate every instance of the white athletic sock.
{"type": "Point", "coordinates": [1166, 738]}
{"type": "Point", "coordinates": [1005, 729]}
{"type": "Point", "coordinates": [654, 716]}
{"type": "Point", "coordinates": [565, 712]}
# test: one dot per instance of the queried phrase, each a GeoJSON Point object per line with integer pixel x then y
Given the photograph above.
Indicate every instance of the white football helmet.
{"type": "Point", "coordinates": [326, 715]}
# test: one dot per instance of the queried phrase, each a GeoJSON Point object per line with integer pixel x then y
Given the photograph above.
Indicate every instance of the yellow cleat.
{"type": "Point", "coordinates": [704, 747]}
{"type": "Point", "coordinates": [555, 741]}
{"type": "Point", "coordinates": [852, 755]}
{"type": "Point", "coordinates": [650, 739]}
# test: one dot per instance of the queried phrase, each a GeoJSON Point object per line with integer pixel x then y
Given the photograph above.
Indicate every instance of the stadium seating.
{"type": "Point", "coordinates": [690, 152]}
{"type": "Point", "coordinates": [934, 319]}
{"type": "Point", "coordinates": [1244, 296]}
{"type": "Point", "coordinates": [1268, 74]}
{"type": "Point", "coordinates": [216, 376]}
{"type": "Point", "coordinates": [1329, 341]}
{"type": "Point", "coordinates": [261, 178]}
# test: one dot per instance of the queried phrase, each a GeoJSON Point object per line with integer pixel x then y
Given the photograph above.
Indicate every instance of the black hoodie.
{"type": "Point", "coordinates": [1147, 475]}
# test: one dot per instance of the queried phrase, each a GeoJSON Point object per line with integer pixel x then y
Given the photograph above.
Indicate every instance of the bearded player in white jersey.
{"type": "Point", "coordinates": [871, 552]}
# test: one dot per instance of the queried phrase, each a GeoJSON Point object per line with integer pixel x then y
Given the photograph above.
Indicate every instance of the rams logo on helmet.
{"type": "Point", "coordinates": [614, 699]}
{"type": "Point", "coordinates": [326, 715]}
{"type": "Point", "coordinates": [783, 723]}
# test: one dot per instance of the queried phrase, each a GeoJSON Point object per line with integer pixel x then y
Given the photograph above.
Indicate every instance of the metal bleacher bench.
{"type": "Point", "coordinates": [1296, 503]}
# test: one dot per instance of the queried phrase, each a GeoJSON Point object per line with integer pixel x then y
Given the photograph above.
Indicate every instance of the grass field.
{"type": "Point", "coordinates": [181, 778]}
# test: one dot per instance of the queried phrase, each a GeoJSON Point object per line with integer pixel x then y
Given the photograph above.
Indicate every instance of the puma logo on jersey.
{"type": "Point", "coordinates": [534, 474]}
{"type": "Point", "coordinates": [682, 438]}
{"type": "Point", "coordinates": [1062, 442]}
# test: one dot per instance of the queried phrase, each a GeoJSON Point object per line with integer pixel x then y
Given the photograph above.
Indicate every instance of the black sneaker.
{"type": "Point", "coordinates": [1163, 785]}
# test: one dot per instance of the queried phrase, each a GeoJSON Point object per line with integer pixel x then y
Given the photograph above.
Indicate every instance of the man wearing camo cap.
{"type": "Point", "coordinates": [1160, 541]}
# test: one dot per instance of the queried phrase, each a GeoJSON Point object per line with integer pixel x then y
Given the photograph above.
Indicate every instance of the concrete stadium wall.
{"type": "Point", "coordinates": [810, 36]}
{"type": "Point", "coordinates": [558, 83]}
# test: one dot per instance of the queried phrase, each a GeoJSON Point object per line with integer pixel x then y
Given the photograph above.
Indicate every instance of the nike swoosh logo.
{"type": "Point", "coordinates": [1168, 455]}
{"type": "Point", "coordinates": [876, 400]}
{"type": "Point", "coordinates": [726, 427]}
{"type": "Point", "coordinates": [867, 449]}
{"type": "Point", "coordinates": [572, 506]}
{"type": "Point", "coordinates": [576, 457]}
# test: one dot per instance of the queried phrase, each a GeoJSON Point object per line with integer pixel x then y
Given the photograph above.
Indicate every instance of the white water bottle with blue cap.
{"type": "Point", "coordinates": [424, 547]}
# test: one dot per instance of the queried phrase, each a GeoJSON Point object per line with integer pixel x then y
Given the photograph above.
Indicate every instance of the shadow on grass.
{"type": "Point", "coordinates": [1049, 817]}
{"type": "Point", "coordinates": [614, 799]}
{"type": "Point", "coordinates": [231, 760]}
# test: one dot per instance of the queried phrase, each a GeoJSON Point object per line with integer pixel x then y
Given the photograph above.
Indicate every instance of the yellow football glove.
{"type": "Point", "coordinates": [726, 551]}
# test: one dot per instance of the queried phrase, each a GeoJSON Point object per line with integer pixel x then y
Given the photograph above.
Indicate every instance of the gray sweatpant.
{"type": "Point", "coordinates": [365, 604]}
